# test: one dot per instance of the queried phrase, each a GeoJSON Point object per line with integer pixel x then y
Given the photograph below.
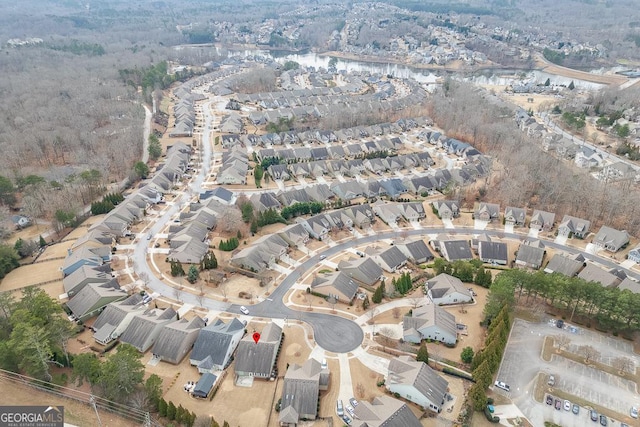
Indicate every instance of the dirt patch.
{"type": "Point", "coordinates": [364, 381]}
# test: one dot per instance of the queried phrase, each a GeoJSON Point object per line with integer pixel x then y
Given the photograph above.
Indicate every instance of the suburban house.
{"type": "Point", "coordinates": [390, 260]}
{"type": "Point", "coordinates": [301, 391]}
{"type": "Point", "coordinates": [176, 339]}
{"type": "Point", "coordinates": [384, 411]}
{"type": "Point", "coordinates": [487, 212]}
{"type": "Point", "coordinates": [493, 252]}
{"type": "Point", "coordinates": [262, 254]}
{"type": "Point", "coordinates": [542, 220]}
{"type": "Point", "coordinates": [530, 254]}
{"type": "Point", "coordinates": [86, 274]}
{"type": "Point", "coordinates": [258, 360]}
{"type": "Point", "coordinates": [447, 209]}
{"type": "Point", "coordinates": [20, 221]}
{"type": "Point", "coordinates": [417, 251]}
{"type": "Point", "coordinates": [362, 269]}
{"type": "Point", "coordinates": [115, 318]}
{"type": "Point", "coordinates": [85, 256]}
{"type": "Point", "coordinates": [215, 344]}
{"type": "Point", "coordinates": [568, 265]}
{"type": "Point", "coordinates": [611, 239]}
{"type": "Point", "coordinates": [630, 285]}
{"type": "Point", "coordinates": [93, 298]}
{"type": "Point", "coordinates": [445, 289]}
{"type": "Point", "coordinates": [417, 382]}
{"type": "Point", "coordinates": [572, 226]}
{"type": "Point", "coordinates": [455, 250]}
{"type": "Point", "coordinates": [295, 235]}
{"type": "Point", "coordinates": [144, 328]}
{"type": "Point", "coordinates": [634, 255]}
{"type": "Point", "coordinates": [593, 273]}
{"type": "Point", "coordinates": [335, 284]}
{"type": "Point", "coordinates": [430, 322]}
{"type": "Point", "coordinates": [515, 216]}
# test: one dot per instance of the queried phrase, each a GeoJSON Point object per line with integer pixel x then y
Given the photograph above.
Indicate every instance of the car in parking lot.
{"type": "Point", "coordinates": [560, 323]}
{"type": "Point", "coordinates": [244, 310]}
{"type": "Point", "coordinates": [339, 408]}
{"type": "Point", "coordinates": [567, 405]}
{"type": "Point", "coordinates": [502, 385]}
{"type": "Point", "coordinates": [558, 404]}
{"type": "Point", "coordinates": [353, 402]}
{"type": "Point", "coordinates": [350, 411]}
{"type": "Point", "coordinates": [603, 420]}
{"type": "Point", "coordinates": [633, 412]}
{"type": "Point", "coordinates": [594, 415]}
{"type": "Point", "coordinates": [549, 399]}
{"type": "Point", "coordinates": [346, 419]}
{"type": "Point", "coordinates": [552, 380]}
{"type": "Point", "coordinates": [575, 409]}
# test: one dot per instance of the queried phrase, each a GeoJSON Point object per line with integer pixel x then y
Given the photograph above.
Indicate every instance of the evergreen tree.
{"type": "Point", "coordinates": [365, 302]}
{"type": "Point", "coordinates": [42, 242]}
{"type": "Point", "coordinates": [423, 353]}
{"type": "Point", "coordinates": [171, 411]}
{"type": "Point", "coordinates": [176, 269]}
{"type": "Point", "coordinates": [193, 275]}
{"type": "Point", "coordinates": [378, 294]}
{"type": "Point", "coordinates": [572, 86]}
{"type": "Point", "coordinates": [467, 355]}
{"type": "Point", "coordinates": [162, 408]}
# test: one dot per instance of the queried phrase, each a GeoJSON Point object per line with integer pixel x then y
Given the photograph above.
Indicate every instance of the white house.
{"type": "Point", "coordinates": [417, 382]}
{"type": "Point", "coordinates": [445, 289]}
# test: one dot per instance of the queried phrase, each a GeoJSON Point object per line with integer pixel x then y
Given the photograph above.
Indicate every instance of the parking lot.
{"type": "Point", "coordinates": [522, 363]}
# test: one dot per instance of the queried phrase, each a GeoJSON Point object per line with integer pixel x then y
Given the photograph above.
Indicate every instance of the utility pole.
{"type": "Point", "coordinates": [92, 401]}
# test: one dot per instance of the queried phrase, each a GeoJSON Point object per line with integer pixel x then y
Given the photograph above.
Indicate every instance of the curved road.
{"type": "Point", "coordinates": [332, 333]}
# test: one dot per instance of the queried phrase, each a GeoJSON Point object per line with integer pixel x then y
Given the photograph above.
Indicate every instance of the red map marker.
{"type": "Point", "coordinates": [256, 337]}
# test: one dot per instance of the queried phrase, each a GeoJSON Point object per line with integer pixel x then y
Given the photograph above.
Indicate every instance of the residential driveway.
{"type": "Point", "coordinates": [522, 361]}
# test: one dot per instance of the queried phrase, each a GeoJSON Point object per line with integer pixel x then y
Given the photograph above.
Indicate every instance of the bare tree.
{"type": "Point", "coordinates": [230, 220]}
{"type": "Point", "coordinates": [385, 337]}
{"type": "Point", "coordinates": [624, 365]}
{"type": "Point", "coordinates": [396, 312]}
{"type": "Point", "coordinates": [415, 301]}
{"type": "Point", "coordinates": [332, 301]}
{"type": "Point", "coordinates": [140, 400]}
{"type": "Point", "coordinates": [222, 287]}
{"type": "Point", "coordinates": [177, 293]}
{"type": "Point", "coordinates": [589, 353]}
{"type": "Point", "coordinates": [200, 298]}
{"type": "Point", "coordinates": [562, 341]}
{"type": "Point", "coordinates": [144, 278]}
{"type": "Point", "coordinates": [371, 314]}
{"type": "Point", "coordinates": [360, 390]}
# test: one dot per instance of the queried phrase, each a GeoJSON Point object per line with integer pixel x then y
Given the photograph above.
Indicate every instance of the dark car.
{"type": "Point", "coordinates": [603, 420]}
{"type": "Point", "coordinates": [549, 399]}
{"type": "Point", "coordinates": [560, 323]}
{"type": "Point", "coordinates": [558, 404]}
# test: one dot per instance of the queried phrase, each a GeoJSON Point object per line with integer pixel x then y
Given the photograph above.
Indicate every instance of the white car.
{"type": "Point", "coordinates": [502, 385]}
{"type": "Point", "coordinates": [244, 310]}
{"type": "Point", "coordinates": [350, 410]}
{"type": "Point", "coordinates": [339, 408]}
{"type": "Point", "coordinates": [634, 412]}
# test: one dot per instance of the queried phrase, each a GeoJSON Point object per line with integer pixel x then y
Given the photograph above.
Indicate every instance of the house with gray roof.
{"type": "Point", "coordinates": [455, 250]}
{"type": "Point", "coordinates": [295, 235]}
{"type": "Point", "coordinates": [348, 190]}
{"type": "Point", "coordinates": [390, 260]}
{"type": "Point", "coordinates": [417, 382]}
{"type": "Point", "coordinates": [86, 274]}
{"type": "Point", "coordinates": [215, 344]}
{"type": "Point", "coordinates": [542, 220]}
{"type": "Point", "coordinates": [430, 322]}
{"type": "Point", "coordinates": [362, 269]}
{"type": "Point", "coordinates": [487, 212]}
{"type": "Point", "coordinates": [115, 318]}
{"type": "Point", "coordinates": [176, 339]}
{"type": "Point", "coordinates": [317, 226]}
{"type": "Point", "coordinates": [262, 254]}
{"type": "Point", "coordinates": [384, 411]}
{"type": "Point", "coordinates": [258, 360]}
{"type": "Point", "coordinates": [420, 184]}
{"type": "Point", "coordinates": [98, 235]}
{"type": "Point", "coordinates": [93, 257]}
{"type": "Point", "coordinates": [530, 254]}
{"type": "Point", "coordinates": [279, 172]}
{"type": "Point", "coordinates": [515, 216]}
{"type": "Point", "coordinates": [361, 215]}
{"type": "Point", "coordinates": [629, 285]}
{"type": "Point", "coordinates": [335, 284]}
{"type": "Point", "coordinates": [447, 209]}
{"type": "Point", "coordinates": [574, 226]}
{"type": "Point", "coordinates": [144, 328]}
{"type": "Point", "coordinates": [301, 392]}
{"type": "Point", "coordinates": [593, 273]}
{"type": "Point", "coordinates": [93, 298]}
{"type": "Point", "coordinates": [445, 289]}
{"type": "Point", "coordinates": [204, 386]}
{"type": "Point", "coordinates": [611, 239]}
{"type": "Point", "coordinates": [222, 195]}
{"type": "Point", "coordinates": [565, 264]}
{"type": "Point", "coordinates": [634, 255]}
{"type": "Point", "coordinates": [493, 252]}
{"type": "Point", "coordinates": [263, 201]}
{"type": "Point", "coordinates": [417, 251]}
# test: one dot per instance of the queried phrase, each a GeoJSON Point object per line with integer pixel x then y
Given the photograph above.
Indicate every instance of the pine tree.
{"type": "Point", "coordinates": [378, 294]}
{"type": "Point", "coordinates": [423, 353]}
{"type": "Point", "coordinates": [171, 411]}
{"type": "Point", "coordinates": [162, 408]}
{"type": "Point", "coordinates": [43, 242]}
{"type": "Point", "coordinates": [193, 274]}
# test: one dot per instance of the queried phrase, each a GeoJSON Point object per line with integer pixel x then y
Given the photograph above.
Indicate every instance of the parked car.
{"type": "Point", "coordinates": [549, 399]}
{"type": "Point", "coordinates": [339, 408]}
{"type": "Point", "coordinates": [603, 420]}
{"type": "Point", "coordinates": [634, 412]}
{"type": "Point", "coordinates": [558, 404]}
{"type": "Point", "coordinates": [567, 405]}
{"type": "Point", "coordinates": [244, 310]}
{"type": "Point", "coordinates": [594, 415]}
{"type": "Point", "coordinates": [560, 323]}
{"type": "Point", "coordinates": [350, 411]}
{"type": "Point", "coordinates": [322, 257]}
{"type": "Point", "coordinates": [575, 409]}
{"type": "Point", "coordinates": [502, 385]}
{"type": "Point", "coordinates": [552, 380]}
{"type": "Point", "coordinates": [346, 420]}
{"type": "Point", "coordinates": [353, 402]}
